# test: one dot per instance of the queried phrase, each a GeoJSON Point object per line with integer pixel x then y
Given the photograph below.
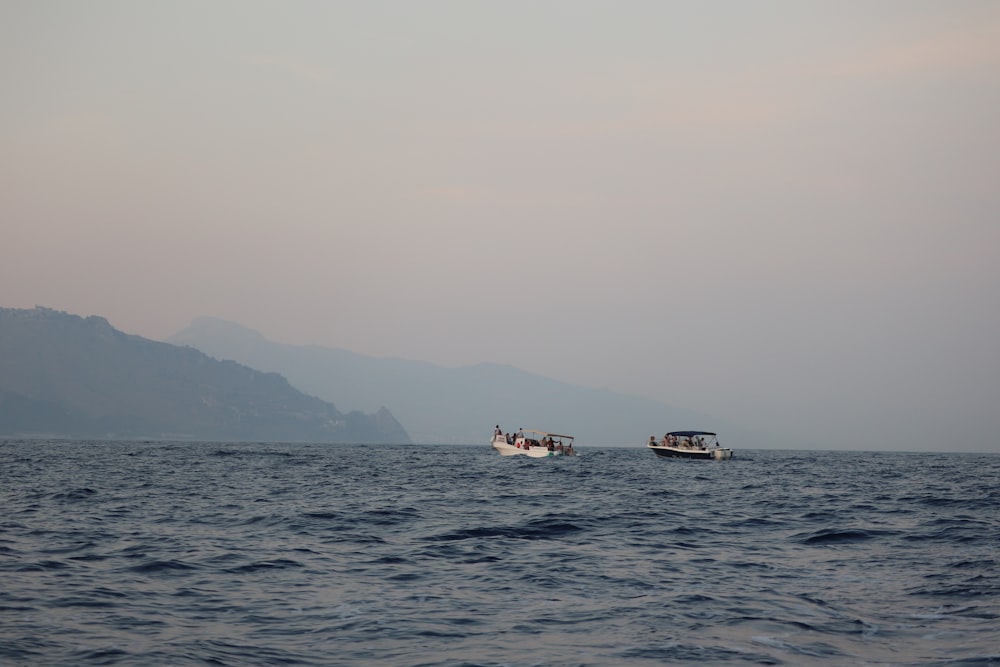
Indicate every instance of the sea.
{"type": "Point", "coordinates": [184, 553]}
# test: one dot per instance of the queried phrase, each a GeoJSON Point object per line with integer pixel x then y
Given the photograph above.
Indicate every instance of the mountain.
{"type": "Point", "coordinates": [447, 405]}
{"type": "Point", "coordinates": [65, 375]}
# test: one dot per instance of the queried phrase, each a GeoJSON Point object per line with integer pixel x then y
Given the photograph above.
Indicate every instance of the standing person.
{"type": "Point", "coordinates": [497, 431]}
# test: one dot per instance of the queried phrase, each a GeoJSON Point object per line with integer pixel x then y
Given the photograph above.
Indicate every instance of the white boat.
{"type": "Point", "coordinates": [690, 445]}
{"type": "Point", "coordinates": [536, 444]}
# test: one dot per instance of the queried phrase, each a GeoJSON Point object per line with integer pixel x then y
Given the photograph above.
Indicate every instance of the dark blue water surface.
{"type": "Point", "coordinates": [134, 553]}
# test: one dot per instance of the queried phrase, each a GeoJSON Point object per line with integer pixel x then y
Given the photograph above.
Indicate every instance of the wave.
{"type": "Point", "coordinates": [835, 536]}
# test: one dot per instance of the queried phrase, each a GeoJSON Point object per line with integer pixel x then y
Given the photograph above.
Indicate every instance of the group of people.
{"type": "Point", "coordinates": [518, 440]}
{"type": "Point", "coordinates": [685, 442]}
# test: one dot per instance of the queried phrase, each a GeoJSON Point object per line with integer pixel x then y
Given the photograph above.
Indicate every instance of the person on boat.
{"type": "Point", "coordinates": [510, 440]}
{"type": "Point", "coordinates": [497, 431]}
{"type": "Point", "coordinates": [569, 450]}
{"type": "Point", "coordinates": [652, 441]}
{"type": "Point", "coordinates": [559, 446]}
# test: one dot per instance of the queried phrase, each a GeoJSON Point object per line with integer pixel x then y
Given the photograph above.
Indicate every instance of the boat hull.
{"type": "Point", "coordinates": [534, 452]}
{"type": "Point", "coordinates": [716, 454]}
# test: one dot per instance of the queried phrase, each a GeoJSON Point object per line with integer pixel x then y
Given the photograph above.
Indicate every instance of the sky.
{"type": "Point", "coordinates": [782, 213]}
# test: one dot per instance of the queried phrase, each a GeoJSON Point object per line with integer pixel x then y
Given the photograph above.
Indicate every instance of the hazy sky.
{"type": "Point", "coordinates": [786, 214]}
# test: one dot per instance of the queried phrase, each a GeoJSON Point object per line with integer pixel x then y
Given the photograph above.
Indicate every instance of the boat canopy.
{"type": "Point", "coordinates": [546, 433]}
{"type": "Point", "coordinates": [688, 434]}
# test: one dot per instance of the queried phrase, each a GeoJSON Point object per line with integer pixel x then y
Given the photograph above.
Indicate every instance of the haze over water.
{"type": "Point", "coordinates": [122, 553]}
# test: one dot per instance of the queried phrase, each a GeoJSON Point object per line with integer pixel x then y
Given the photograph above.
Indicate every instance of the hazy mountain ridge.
{"type": "Point", "coordinates": [446, 405]}
{"type": "Point", "coordinates": [65, 375]}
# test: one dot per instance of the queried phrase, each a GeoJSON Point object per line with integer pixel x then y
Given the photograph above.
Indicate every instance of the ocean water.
{"type": "Point", "coordinates": [134, 553]}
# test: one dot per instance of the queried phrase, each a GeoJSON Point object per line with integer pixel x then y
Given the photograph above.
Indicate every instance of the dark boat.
{"type": "Point", "coordinates": [690, 445]}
